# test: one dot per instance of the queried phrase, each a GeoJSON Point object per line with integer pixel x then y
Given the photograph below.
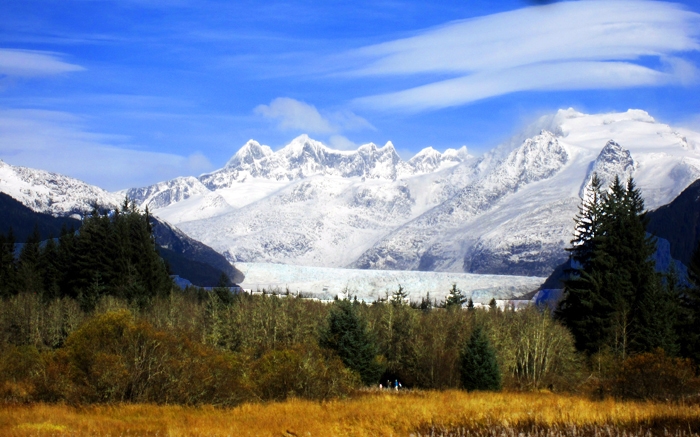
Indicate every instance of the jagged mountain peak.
{"type": "Point", "coordinates": [304, 144]}
{"type": "Point", "coordinates": [166, 193]}
{"type": "Point", "coordinates": [428, 151]}
{"type": "Point", "coordinates": [367, 148]}
{"type": "Point", "coordinates": [462, 153]}
{"type": "Point", "coordinates": [613, 160]}
{"type": "Point", "coordinates": [387, 148]}
{"type": "Point", "coordinates": [251, 152]}
{"type": "Point", "coordinates": [430, 159]}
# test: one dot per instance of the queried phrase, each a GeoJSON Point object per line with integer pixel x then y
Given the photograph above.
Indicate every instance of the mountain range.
{"type": "Point", "coordinates": [509, 211]}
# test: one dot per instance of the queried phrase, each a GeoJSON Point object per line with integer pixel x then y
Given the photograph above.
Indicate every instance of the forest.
{"type": "Point", "coordinates": [93, 317]}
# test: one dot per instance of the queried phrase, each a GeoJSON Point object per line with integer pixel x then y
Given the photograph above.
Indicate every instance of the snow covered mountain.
{"type": "Point", "coordinates": [52, 193]}
{"type": "Point", "coordinates": [508, 212]}
{"type": "Point", "coordinates": [306, 203]}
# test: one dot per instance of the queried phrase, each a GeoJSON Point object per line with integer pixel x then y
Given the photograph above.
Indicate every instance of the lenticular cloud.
{"type": "Point", "coordinates": [569, 45]}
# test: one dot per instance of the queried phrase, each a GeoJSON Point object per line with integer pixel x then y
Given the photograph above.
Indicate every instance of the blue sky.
{"type": "Point", "coordinates": [130, 92]}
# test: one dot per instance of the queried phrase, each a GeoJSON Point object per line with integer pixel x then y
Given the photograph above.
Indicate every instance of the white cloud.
{"type": "Point", "coordinates": [295, 115]}
{"type": "Point", "coordinates": [595, 43]}
{"type": "Point", "coordinates": [292, 114]}
{"type": "Point", "coordinates": [539, 77]}
{"type": "Point", "coordinates": [30, 63]}
{"type": "Point", "coordinates": [57, 141]}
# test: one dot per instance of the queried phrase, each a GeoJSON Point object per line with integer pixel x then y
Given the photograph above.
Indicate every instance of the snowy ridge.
{"type": "Point", "coordinates": [268, 171]}
{"type": "Point", "coordinates": [191, 200]}
{"type": "Point", "coordinates": [52, 193]}
{"type": "Point", "coordinates": [419, 244]}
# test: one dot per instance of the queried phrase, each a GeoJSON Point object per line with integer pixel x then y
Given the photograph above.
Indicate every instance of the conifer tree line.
{"type": "Point", "coordinates": [615, 302]}
{"type": "Point", "coordinates": [113, 254]}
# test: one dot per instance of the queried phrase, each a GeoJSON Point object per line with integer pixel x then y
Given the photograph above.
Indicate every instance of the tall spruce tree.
{"type": "Point", "coordinates": [399, 297]}
{"type": "Point", "coordinates": [456, 298]}
{"type": "Point", "coordinates": [585, 308]}
{"type": "Point", "coordinates": [478, 365]}
{"type": "Point", "coordinates": [610, 296]}
{"type": "Point", "coordinates": [65, 258]}
{"type": "Point", "coordinates": [8, 265]}
{"type": "Point", "coordinates": [588, 222]}
{"type": "Point", "coordinates": [346, 333]}
{"type": "Point", "coordinates": [30, 277]}
{"type": "Point", "coordinates": [49, 267]}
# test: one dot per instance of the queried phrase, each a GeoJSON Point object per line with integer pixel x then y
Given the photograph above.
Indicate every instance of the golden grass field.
{"type": "Point", "coordinates": [372, 414]}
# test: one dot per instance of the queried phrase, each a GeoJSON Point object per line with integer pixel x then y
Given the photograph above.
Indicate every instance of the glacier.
{"type": "Point", "coordinates": [326, 283]}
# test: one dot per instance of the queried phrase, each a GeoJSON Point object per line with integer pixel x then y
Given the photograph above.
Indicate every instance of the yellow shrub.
{"type": "Point", "coordinates": [656, 376]}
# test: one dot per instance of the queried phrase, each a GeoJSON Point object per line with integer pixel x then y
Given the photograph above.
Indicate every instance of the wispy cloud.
{"type": "Point", "coordinates": [293, 114]}
{"type": "Point", "coordinates": [30, 63]}
{"type": "Point", "coordinates": [58, 141]}
{"type": "Point", "coordinates": [587, 44]}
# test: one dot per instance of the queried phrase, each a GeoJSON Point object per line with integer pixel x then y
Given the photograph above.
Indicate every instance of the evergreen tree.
{"type": "Point", "coordinates": [65, 260]}
{"type": "Point", "coordinates": [49, 267]}
{"type": "Point", "coordinates": [399, 297]}
{"type": "Point", "coordinates": [478, 366]}
{"type": "Point", "coordinates": [588, 222]}
{"type": "Point", "coordinates": [346, 333]}
{"type": "Point", "coordinates": [610, 293]}
{"type": "Point", "coordinates": [30, 278]}
{"type": "Point", "coordinates": [586, 309]}
{"type": "Point", "coordinates": [658, 316]}
{"type": "Point", "coordinates": [8, 266]}
{"type": "Point", "coordinates": [425, 303]}
{"type": "Point", "coordinates": [115, 254]}
{"type": "Point", "coordinates": [470, 305]}
{"type": "Point", "coordinates": [455, 299]}
{"type": "Point", "coordinates": [493, 305]}
{"type": "Point", "coordinates": [222, 290]}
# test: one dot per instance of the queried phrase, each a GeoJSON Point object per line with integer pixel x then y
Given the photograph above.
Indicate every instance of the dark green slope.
{"type": "Point", "coordinates": [187, 258]}
{"type": "Point", "coordinates": [22, 220]}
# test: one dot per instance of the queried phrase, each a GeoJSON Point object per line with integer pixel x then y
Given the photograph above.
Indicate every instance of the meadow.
{"type": "Point", "coordinates": [366, 413]}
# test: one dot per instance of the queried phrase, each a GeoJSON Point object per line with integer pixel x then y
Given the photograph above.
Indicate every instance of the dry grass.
{"type": "Point", "coordinates": [375, 414]}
